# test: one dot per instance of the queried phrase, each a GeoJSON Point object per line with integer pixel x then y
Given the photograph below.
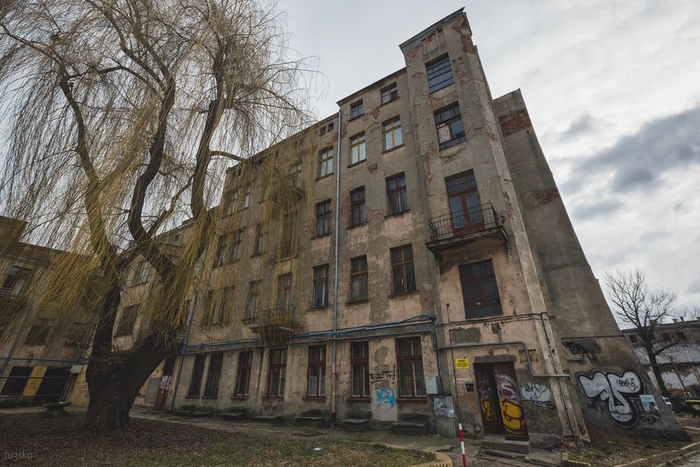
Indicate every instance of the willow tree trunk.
{"type": "Point", "coordinates": [657, 373]}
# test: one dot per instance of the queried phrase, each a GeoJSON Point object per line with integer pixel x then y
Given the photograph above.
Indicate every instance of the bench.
{"type": "Point", "coordinates": [316, 422]}
{"type": "Point", "coordinates": [355, 424]}
{"type": "Point", "coordinates": [271, 419]}
{"type": "Point", "coordinates": [232, 416]}
{"type": "Point", "coordinates": [409, 428]}
{"type": "Point", "coordinates": [55, 409]}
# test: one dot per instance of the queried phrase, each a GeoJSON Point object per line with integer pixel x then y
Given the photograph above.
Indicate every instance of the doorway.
{"type": "Point", "coordinates": [164, 384]}
{"type": "Point", "coordinates": [499, 400]}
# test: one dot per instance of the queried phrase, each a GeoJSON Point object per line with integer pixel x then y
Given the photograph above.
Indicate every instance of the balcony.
{"type": "Point", "coordinates": [274, 325]}
{"type": "Point", "coordinates": [288, 187]}
{"type": "Point", "coordinates": [461, 227]}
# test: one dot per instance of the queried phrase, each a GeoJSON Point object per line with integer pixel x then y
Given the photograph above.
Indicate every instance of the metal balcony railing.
{"type": "Point", "coordinates": [288, 185]}
{"type": "Point", "coordinates": [472, 222]}
{"type": "Point", "coordinates": [274, 325]}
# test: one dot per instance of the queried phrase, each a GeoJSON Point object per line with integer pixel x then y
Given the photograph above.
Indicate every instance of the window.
{"type": "Point", "coordinates": [211, 388]}
{"type": "Point", "coordinates": [464, 201]}
{"type": "Point", "coordinates": [127, 321]}
{"type": "Point", "coordinates": [245, 363]}
{"type": "Point", "coordinates": [288, 245]}
{"type": "Point", "coordinates": [390, 93]}
{"type": "Point", "coordinates": [218, 307]}
{"type": "Point", "coordinates": [39, 331]}
{"type": "Point", "coordinates": [357, 207]}
{"type": "Point", "coordinates": [410, 363]}
{"type": "Point", "coordinates": [358, 279]}
{"type": "Point", "coordinates": [197, 372]}
{"type": "Point", "coordinates": [450, 127]}
{"type": "Point", "coordinates": [480, 290]}
{"type": "Point", "coordinates": [325, 162]}
{"type": "Point", "coordinates": [245, 202]}
{"type": "Point", "coordinates": [402, 269]}
{"type": "Point", "coordinates": [316, 380]}
{"type": "Point", "coordinates": [284, 291]}
{"type": "Point", "coordinates": [229, 202]}
{"type": "Point", "coordinates": [17, 380]}
{"type": "Point", "coordinates": [236, 245]}
{"type": "Point", "coordinates": [439, 73]}
{"type": "Point", "coordinates": [142, 273]}
{"type": "Point", "coordinates": [320, 299]}
{"type": "Point", "coordinates": [221, 250]}
{"type": "Point", "coordinates": [356, 109]}
{"type": "Point", "coordinates": [252, 303]}
{"type": "Point", "coordinates": [392, 133]}
{"type": "Point", "coordinates": [359, 361]}
{"type": "Point", "coordinates": [358, 151]}
{"type": "Point", "coordinates": [633, 339]}
{"type": "Point", "coordinates": [14, 281]}
{"type": "Point", "coordinates": [278, 369]}
{"type": "Point", "coordinates": [259, 240]}
{"type": "Point", "coordinates": [396, 194]}
{"type": "Point", "coordinates": [76, 334]}
{"type": "Point", "coordinates": [324, 217]}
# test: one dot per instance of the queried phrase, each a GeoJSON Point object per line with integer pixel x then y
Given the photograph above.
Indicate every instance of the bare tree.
{"type": "Point", "coordinates": [644, 310]}
{"type": "Point", "coordinates": [123, 116]}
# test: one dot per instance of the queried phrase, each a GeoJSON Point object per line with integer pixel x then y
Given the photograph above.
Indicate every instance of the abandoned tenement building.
{"type": "Point", "coordinates": [418, 266]}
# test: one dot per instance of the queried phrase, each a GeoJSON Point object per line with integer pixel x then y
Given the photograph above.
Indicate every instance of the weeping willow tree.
{"type": "Point", "coordinates": [124, 115]}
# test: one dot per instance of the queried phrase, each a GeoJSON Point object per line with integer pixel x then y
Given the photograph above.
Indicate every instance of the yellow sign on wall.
{"type": "Point", "coordinates": [34, 382]}
{"type": "Point", "coordinates": [462, 363]}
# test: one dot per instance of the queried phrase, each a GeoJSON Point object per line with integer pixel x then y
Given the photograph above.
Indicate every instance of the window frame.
{"type": "Point", "coordinates": [483, 304]}
{"type": "Point", "coordinates": [285, 287]}
{"type": "Point", "coordinates": [445, 118]}
{"type": "Point", "coordinates": [324, 218]}
{"type": "Point", "coordinates": [235, 245]}
{"type": "Point", "coordinates": [359, 275]}
{"type": "Point", "coordinates": [414, 373]}
{"type": "Point", "coordinates": [358, 149]}
{"type": "Point", "coordinates": [357, 109]}
{"type": "Point", "coordinates": [243, 371]}
{"type": "Point", "coordinates": [316, 372]}
{"type": "Point", "coordinates": [396, 196]}
{"type": "Point", "coordinates": [252, 300]}
{"type": "Point", "coordinates": [259, 241]}
{"type": "Point", "coordinates": [196, 375]}
{"type": "Point", "coordinates": [325, 162]}
{"type": "Point", "coordinates": [405, 267]}
{"type": "Point", "coordinates": [389, 93]}
{"type": "Point", "coordinates": [122, 328]}
{"type": "Point", "coordinates": [359, 371]}
{"type": "Point", "coordinates": [277, 373]}
{"type": "Point", "coordinates": [437, 72]}
{"type": "Point", "coordinates": [211, 385]}
{"type": "Point", "coordinates": [321, 276]}
{"type": "Point", "coordinates": [142, 273]}
{"type": "Point", "coordinates": [39, 331]}
{"type": "Point", "coordinates": [358, 208]}
{"type": "Point", "coordinates": [392, 128]}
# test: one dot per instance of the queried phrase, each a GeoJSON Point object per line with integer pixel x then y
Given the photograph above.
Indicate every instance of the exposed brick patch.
{"type": "Point", "coordinates": [374, 213]}
{"type": "Point", "coordinates": [372, 168]}
{"type": "Point", "coordinates": [414, 52]}
{"type": "Point", "coordinates": [534, 199]}
{"type": "Point", "coordinates": [514, 122]}
{"type": "Point", "coordinates": [467, 44]}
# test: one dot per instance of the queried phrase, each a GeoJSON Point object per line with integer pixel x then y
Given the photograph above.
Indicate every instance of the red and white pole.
{"type": "Point", "coordinates": [461, 442]}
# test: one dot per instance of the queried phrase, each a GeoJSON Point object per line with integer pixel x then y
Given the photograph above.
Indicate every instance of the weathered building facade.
{"type": "Point", "coordinates": [408, 259]}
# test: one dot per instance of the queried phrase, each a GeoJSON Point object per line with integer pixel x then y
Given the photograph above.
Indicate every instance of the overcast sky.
{"type": "Point", "coordinates": [613, 90]}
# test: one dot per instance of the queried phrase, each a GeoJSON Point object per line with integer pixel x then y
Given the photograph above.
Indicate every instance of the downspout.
{"type": "Point", "coordinates": [334, 372]}
{"type": "Point", "coordinates": [190, 317]}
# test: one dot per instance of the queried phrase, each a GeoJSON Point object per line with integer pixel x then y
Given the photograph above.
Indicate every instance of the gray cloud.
{"type": "Point", "coordinates": [581, 125]}
{"type": "Point", "coordinates": [639, 160]}
{"type": "Point", "coordinates": [593, 210]}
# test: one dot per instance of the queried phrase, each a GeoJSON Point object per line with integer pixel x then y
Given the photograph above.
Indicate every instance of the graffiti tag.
{"type": "Point", "coordinates": [385, 397]}
{"type": "Point", "coordinates": [613, 391]}
{"type": "Point", "coordinates": [538, 394]}
{"type": "Point", "coordinates": [577, 349]}
{"type": "Point", "coordinates": [384, 376]}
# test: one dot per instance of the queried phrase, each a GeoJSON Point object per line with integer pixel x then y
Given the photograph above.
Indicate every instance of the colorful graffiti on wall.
{"type": "Point", "coordinates": [510, 417]}
{"type": "Point", "coordinates": [614, 392]}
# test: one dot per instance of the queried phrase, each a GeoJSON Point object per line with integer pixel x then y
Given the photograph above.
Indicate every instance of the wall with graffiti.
{"type": "Point", "coordinates": [621, 396]}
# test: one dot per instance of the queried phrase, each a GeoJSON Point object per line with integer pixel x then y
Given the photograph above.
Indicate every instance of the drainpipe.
{"type": "Point", "coordinates": [190, 317]}
{"type": "Point", "coordinates": [334, 353]}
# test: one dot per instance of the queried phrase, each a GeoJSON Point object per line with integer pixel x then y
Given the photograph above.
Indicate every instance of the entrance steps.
{"type": "Point", "coordinates": [503, 444]}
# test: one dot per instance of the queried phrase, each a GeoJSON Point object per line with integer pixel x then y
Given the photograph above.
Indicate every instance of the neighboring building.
{"type": "Point", "coordinates": [680, 363]}
{"type": "Point", "coordinates": [41, 345]}
{"type": "Point", "coordinates": [411, 249]}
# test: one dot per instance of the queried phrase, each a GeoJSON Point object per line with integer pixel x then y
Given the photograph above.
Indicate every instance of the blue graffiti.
{"type": "Point", "coordinates": [386, 396]}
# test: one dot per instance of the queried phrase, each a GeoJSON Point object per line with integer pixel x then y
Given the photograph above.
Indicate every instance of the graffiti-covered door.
{"type": "Point", "coordinates": [499, 399]}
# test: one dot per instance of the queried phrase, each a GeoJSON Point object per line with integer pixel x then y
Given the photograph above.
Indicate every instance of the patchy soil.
{"type": "Point", "coordinates": [32, 439]}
